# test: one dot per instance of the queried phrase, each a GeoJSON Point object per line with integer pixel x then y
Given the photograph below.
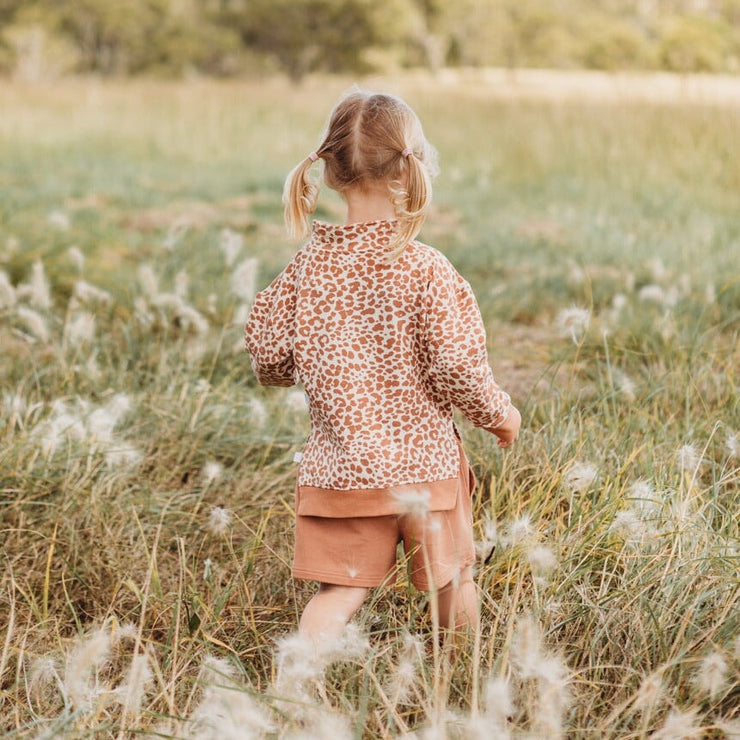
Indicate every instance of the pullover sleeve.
{"type": "Point", "coordinates": [455, 342]}
{"type": "Point", "coordinates": [270, 331]}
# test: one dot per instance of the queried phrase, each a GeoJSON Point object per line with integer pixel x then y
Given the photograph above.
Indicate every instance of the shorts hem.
{"type": "Point", "coordinates": [342, 579]}
{"type": "Point", "coordinates": [445, 579]}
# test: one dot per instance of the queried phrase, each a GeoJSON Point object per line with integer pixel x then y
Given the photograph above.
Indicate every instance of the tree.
{"type": "Point", "coordinates": [307, 35]}
{"type": "Point", "coordinates": [32, 46]}
{"type": "Point", "coordinates": [693, 44]}
{"type": "Point", "coordinates": [113, 37]}
{"type": "Point", "coordinates": [46, 38]}
{"type": "Point", "coordinates": [614, 44]}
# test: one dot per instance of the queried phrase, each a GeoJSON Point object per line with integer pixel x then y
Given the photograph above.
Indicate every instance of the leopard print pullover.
{"type": "Point", "coordinates": [384, 352]}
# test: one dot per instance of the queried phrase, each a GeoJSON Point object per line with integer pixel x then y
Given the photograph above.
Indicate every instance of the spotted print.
{"type": "Point", "coordinates": [384, 352]}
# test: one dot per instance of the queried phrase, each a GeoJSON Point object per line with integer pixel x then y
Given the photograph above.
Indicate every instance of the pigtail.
{"type": "Point", "coordinates": [299, 197]}
{"type": "Point", "coordinates": [410, 203]}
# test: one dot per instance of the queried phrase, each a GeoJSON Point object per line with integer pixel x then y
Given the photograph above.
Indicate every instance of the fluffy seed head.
{"type": "Point", "coordinates": [227, 710]}
{"type": "Point", "coordinates": [553, 697]}
{"type": "Point", "coordinates": [520, 531]}
{"type": "Point", "coordinates": [190, 318]}
{"type": "Point", "coordinates": [680, 725]}
{"type": "Point", "coordinates": [405, 673]}
{"type": "Point", "coordinates": [84, 292]}
{"type": "Point", "coordinates": [207, 569]}
{"type": "Point", "coordinates": [580, 476]}
{"type": "Point", "coordinates": [148, 281]}
{"type": "Point", "coordinates": [43, 671]}
{"type": "Point", "coordinates": [413, 502]}
{"type": "Point", "coordinates": [526, 647]}
{"type": "Point", "coordinates": [58, 219]}
{"type": "Point", "coordinates": [711, 676]}
{"type": "Point", "coordinates": [212, 472]}
{"type": "Point", "coordinates": [257, 413]}
{"type": "Point", "coordinates": [80, 329]}
{"type": "Point", "coordinates": [542, 560]}
{"type": "Point", "coordinates": [8, 298]}
{"type": "Point", "coordinates": [733, 445]}
{"type": "Point", "coordinates": [219, 521]}
{"type": "Point", "coordinates": [182, 284]}
{"type": "Point", "coordinates": [295, 401]}
{"type": "Point", "coordinates": [652, 293]}
{"type": "Point", "coordinates": [499, 702]}
{"type": "Point", "coordinates": [88, 655]}
{"type": "Point", "coordinates": [628, 525]}
{"type": "Point", "coordinates": [76, 258]}
{"type": "Point", "coordinates": [619, 301]}
{"type": "Point", "coordinates": [688, 457]}
{"type": "Point", "coordinates": [490, 537]}
{"type": "Point", "coordinates": [244, 279]}
{"type": "Point", "coordinates": [573, 322]}
{"type": "Point", "coordinates": [34, 322]}
{"type": "Point", "coordinates": [123, 632]}
{"type": "Point", "coordinates": [299, 667]}
{"type": "Point", "coordinates": [136, 684]}
{"type": "Point", "coordinates": [176, 231]}
{"type": "Point", "coordinates": [625, 385]}
{"type": "Point", "coordinates": [123, 456]}
{"type": "Point", "coordinates": [103, 420]}
{"type": "Point", "coordinates": [650, 690]}
{"type": "Point", "coordinates": [643, 496]}
{"type": "Point", "coordinates": [14, 403]}
{"type": "Point", "coordinates": [38, 292]}
{"type": "Point", "coordinates": [230, 243]}
{"type": "Point", "coordinates": [240, 316]}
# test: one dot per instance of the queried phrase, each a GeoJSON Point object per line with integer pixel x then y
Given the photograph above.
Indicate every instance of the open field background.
{"type": "Point", "coordinates": [146, 499]}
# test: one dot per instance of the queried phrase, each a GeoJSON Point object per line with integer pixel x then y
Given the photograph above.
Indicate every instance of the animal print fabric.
{"type": "Point", "coordinates": [384, 352]}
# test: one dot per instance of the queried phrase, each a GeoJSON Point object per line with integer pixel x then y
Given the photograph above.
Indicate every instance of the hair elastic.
{"type": "Point", "coordinates": [406, 152]}
{"type": "Point", "coordinates": [313, 156]}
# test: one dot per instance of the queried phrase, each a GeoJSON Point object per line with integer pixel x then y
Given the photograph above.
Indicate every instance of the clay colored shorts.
{"type": "Point", "coordinates": [361, 551]}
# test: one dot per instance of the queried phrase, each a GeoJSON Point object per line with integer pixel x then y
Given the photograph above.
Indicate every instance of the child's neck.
{"type": "Point", "coordinates": [368, 204]}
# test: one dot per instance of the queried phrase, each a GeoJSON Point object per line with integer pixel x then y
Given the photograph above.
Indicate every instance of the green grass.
{"type": "Point", "coordinates": [628, 212]}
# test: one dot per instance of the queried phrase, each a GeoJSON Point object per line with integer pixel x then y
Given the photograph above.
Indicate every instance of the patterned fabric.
{"type": "Point", "coordinates": [383, 351]}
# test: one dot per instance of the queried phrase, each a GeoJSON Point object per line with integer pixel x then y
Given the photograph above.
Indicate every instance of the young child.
{"type": "Point", "coordinates": [386, 338]}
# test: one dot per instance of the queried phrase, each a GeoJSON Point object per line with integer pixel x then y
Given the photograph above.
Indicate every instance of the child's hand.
{"type": "Point", "coordinates": [508, 432]}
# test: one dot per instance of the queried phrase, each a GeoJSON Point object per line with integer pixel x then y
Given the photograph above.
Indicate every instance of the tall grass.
{"type": "Point", "coordinates": [147, 481]}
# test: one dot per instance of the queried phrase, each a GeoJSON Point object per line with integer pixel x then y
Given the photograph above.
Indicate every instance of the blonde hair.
{"type": "Point", "coordinates": [371, 139]}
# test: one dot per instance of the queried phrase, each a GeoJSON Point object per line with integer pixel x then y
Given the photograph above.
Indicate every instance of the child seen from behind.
{"type": "Point", "coordinates": [386, 337]}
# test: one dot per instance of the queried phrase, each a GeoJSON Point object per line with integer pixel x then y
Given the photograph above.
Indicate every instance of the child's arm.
{"type": "Point", "coordinates": [508, 432]}
{"type": "Point", "coordinates": [269, 333]}
{"type": "Point", "coordinates": [455, 341]}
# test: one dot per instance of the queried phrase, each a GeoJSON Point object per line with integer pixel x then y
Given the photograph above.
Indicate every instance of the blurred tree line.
{"type": "Point", "coordinates": [48, 38]}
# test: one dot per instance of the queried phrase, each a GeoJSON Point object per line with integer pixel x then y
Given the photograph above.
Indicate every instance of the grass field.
{"type": "Point", "coordinates": [146, 503]}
